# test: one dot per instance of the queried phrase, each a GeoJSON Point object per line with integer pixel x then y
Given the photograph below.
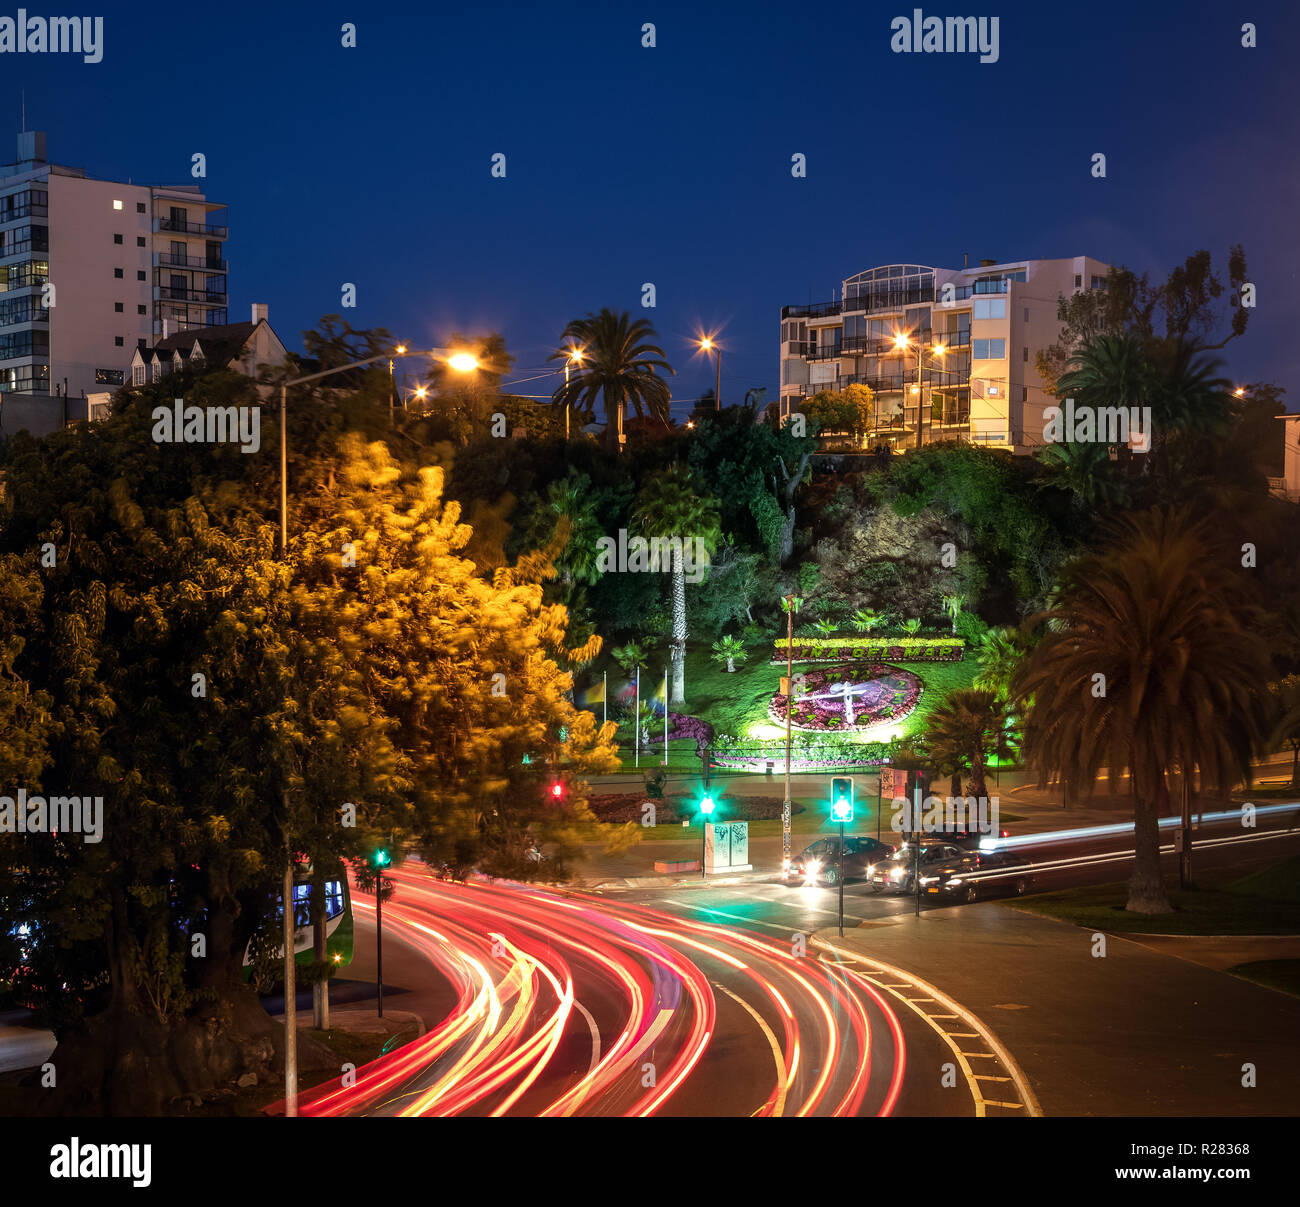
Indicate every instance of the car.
{"type": "Point", "coordinates": [988, 874]}
{"type": "Point", "coordinates": [897, 874]}
{"type": "Point", "coordinates": [820, 863]}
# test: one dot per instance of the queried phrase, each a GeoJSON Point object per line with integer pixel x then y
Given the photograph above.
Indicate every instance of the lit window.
{"type": "Point", "coordinates": [117, 205]}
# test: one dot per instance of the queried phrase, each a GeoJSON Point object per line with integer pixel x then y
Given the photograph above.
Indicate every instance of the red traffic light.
{"type": "Point", "coordinates": [557, 790]}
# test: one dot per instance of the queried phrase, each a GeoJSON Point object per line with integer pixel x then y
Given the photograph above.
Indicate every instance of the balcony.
{"type": "Point", "coordinates": [817, 310]}
{"type": "Point", "coordinates": [201, 296]}
{"type": "Point", "coordinates": [167, 260]}
{"type": "Point", "coordinates": [875, 345]}
{"type": "Point", "coordinates": [182, 226]}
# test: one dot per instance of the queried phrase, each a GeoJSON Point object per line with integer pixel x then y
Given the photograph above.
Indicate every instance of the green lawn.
{"type": "Point", "coordinates": [1283, 975]}
{"type": "Point", "coordinates": [1264, 903]}
{"type": "Point", "coordinates": [733, 702]}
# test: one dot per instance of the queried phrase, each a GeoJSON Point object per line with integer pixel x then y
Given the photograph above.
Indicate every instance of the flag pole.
{"type": "Point", "coordinates": [604, 698]}
{"type": "Point", "coordinates": [636, 718]}
{"type": "Point", "coordinates": [665, 716]}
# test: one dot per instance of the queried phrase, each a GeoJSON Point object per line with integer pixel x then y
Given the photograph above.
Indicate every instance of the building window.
{"type": "Point", "coordinates": [142, 310]}
{"type": "Point", "coordinates": [1098, 283]}
{"type": "Point", "coordinates": [988, 349]}
{"type": "Point", "coordinates": [117, 307]}
{"type": "Point", "coordinates": [137, 375]}
{"type": "Point", "coordinates": [117, 205]}
{"type": "Point", "coordinates": [140, 275]}
{"type": "Point", "coordinates": [139, 207]}
{"type": "Point", "coordinates": [1024, 393]}
{"type": "Point", "coordinates": [117, 238]}
{"type": "Point", "coordinates": [109, 377]}
{"type": "Point", "coordinates": [117, 272]}
{"type": "Point", "coordinates": [139, 240]}
{"type": "Point", "coordinates": [1025, 357]}
{"type": "Point", "coordinates": [1078, 280]}
{"type": "Point", "coordinates": [1026, 314]}
{"type": "Point", "coordinates": [118, 341]}
{"type": "Point", "coordinates": [990, 308]}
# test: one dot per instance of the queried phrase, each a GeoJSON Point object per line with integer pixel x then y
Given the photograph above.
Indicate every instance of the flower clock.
{"type": "Point", "coordinates": [848, 698]}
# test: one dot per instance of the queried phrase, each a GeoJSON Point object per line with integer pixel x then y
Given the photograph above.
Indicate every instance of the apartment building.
{"type": "Point", "coordinates": [126, 263]}
{"type": "Point", "coordinates": [949, 353]}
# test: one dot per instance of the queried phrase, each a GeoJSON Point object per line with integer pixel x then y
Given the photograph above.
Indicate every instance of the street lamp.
{"type": "Point", "coordinates": [574, 358]}
{"type": "Point", "coordinates": [708, 344]}
{"type": "Point", "coordinates": [462, 362]}
{"type": "Point", "coordinates": [901, 341]}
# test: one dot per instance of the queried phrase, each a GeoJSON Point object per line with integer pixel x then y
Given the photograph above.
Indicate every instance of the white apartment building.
{"type": "Point", "coordinates": [967, 371]}
{"type": "Point", "coordinates": [123, 260]}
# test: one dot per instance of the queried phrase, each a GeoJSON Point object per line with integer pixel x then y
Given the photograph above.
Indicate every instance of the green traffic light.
{"type": "Point", "coordinates": [706, 806]}
{"type": "Point", "coordinates": [381, 859]}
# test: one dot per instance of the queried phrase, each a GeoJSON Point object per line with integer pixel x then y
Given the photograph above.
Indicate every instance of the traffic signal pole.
{"type": "Point", "coordinates": [841, 880]}
{"type": "Point", "coordinates": [379, 937]}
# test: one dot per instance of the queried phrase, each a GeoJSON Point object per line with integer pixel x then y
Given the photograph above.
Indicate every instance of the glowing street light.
{"type": "Point", "coordinates": [573, 358]}
{"type": "Point", "coordinates": [709, 344]}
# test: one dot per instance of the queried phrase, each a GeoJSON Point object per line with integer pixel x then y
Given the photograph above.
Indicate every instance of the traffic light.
{"type": "Point", "coordinates": [842, 798]}
{"type": "Point", "coordinates": [557, 790]}
{"type": "Point", "coordinates": [706, 804]}
{"type": "Point", "coordinates": [382, 859]}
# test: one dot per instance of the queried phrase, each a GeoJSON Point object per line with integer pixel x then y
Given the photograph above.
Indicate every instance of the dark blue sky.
{"type": "Point", "coordinates": [672, 165]}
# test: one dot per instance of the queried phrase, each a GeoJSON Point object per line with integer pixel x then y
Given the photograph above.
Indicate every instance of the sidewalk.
{"type": "Point", "coordinates": [1138, 1032]}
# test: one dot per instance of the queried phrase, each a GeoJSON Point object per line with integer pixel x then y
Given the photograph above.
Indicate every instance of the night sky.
{"type": "Point", "coordinates": [671, 165]}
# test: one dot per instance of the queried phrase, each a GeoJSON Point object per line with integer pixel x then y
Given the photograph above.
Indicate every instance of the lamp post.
{"type": "Point", "coordinates": [708, 344]}
{"type": "Point", "coordinates": [901, 341]}
{"type": "Point", "coordinates": [789, 705]}
{"type": "Point", "coordinates": [461, 361]}
{"type": "Point", "coordinates": [574, 358]}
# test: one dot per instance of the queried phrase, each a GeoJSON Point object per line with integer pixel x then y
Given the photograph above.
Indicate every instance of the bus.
{"type": "Point", "coordinates": [338, 921]}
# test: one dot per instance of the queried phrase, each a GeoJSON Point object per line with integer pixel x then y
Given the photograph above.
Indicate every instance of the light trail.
{"type": "Point", "coordinates": [535, 974]}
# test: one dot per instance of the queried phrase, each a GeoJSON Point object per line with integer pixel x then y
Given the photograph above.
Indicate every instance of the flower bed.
{"type": "Point", "coordinates": [881, 693]}
{"type": "Point", "coordinates": [863, 649]}
{"type": "Point", "coordinates": [807, 753]}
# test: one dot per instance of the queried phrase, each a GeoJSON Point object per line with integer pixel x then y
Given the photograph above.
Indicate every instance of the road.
{"type": "Point", "coordinates": [710, 1001]}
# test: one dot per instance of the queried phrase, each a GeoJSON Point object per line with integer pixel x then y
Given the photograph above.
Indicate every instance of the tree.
{"type": "Point", "coordinates": [227, 704]}
{"type": "Point", "coordinates": [729, 650]}
{"type": "Point", "coordinates": [850, 411]}
{"type": "Point", "coordinates": [669, 506]}
{"type": "Point", "coordinates": [1086, 471]}
{"type": "Point", "coordinates": [619, 365]}
{"type": "Point", "coordinates": [953, 604]}
{"type": "Point", "coordinates": [999, 652]}
{"type": "Point", "coordinates": [1184, 310]}
{"type": "Point", "coordinates": [630, 657]}
{"type": "Point", "coordinates": [963, 728]}
{"type": "Point", "coordinates": [1150, 663]}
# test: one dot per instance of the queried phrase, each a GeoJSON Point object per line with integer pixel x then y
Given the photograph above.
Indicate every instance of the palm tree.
{"type": "Point", "coordinates": [999, 653]}
{"type": "Point", "coordinates": [629, 657]}
{"type": "Point", "coordinates": [1150, 663]}
{"type": "Point", "coordinates": [729, 650]}
{"type": "Point", "coordinates": [963, 729]}
{"type": "Point", "coordinates": [669, 506]}
{"type": "Point", "coordinates": [865, 619]}
{"type": "Point", "coordinates": [1086, 471]}
{"type": "Point", "coordinates": [570, 501]}
{"type": "Point", "coordinates": [618, 363]}
{"type": "Point", "coordinates": [953, 604]}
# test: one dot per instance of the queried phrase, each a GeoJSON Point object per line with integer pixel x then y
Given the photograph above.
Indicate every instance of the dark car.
{"type": "Point", "coordinates": [820, 863]}
{"type": "Point", "coordinates": [897, 874]}
{"type": "Point", "coordinates": [987, 874]}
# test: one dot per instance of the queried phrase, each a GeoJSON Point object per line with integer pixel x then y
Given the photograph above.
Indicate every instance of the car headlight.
{"type": "Point", "coordinates": [813, 866]}
{"type": "Point", "coordinates": [871, 869]}
{"type": "Point", "coordinates": [929, 879]}
{"type": "Point", "coordinates": [955, 880]}
{"type": "Point", "coordinates": [898, 873]}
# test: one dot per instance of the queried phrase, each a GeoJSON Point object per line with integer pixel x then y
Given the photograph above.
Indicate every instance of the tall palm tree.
{"type": "Point", "coordinates": [619, 359]}
{"type": "Point", "coordinates": [963, 729]}
{"type": "Point", "coordinates": [999, 653]}
{"type": "Point", "coordinates": [1151, 663]}
{"type": "Point", "coordinates": [670, 506]}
